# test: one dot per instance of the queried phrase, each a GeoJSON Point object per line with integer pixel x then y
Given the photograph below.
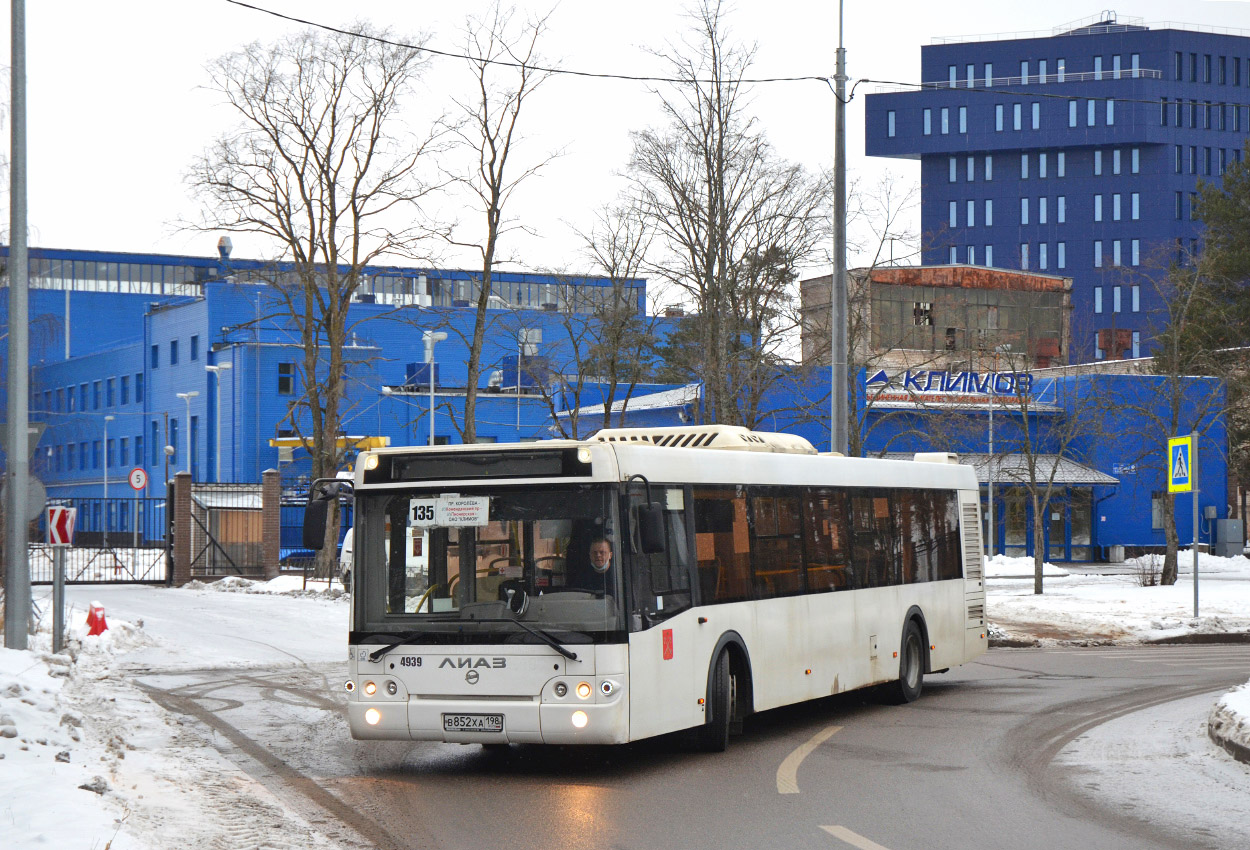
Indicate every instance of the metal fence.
{"type": "Point", "coordinates": [116, 540]}
{"type": "Point", "coordinates": [227, 530]}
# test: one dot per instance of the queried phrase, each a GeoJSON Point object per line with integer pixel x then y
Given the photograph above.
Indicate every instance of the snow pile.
{"type": "Point", "coordinates": [282, 585]}
{"type": "Point", "coordinates": [54, 768]}
{"type": "Point", "coordinates": [1002, 566]}
{"type": "Point", "coordinates": [1230, 717]}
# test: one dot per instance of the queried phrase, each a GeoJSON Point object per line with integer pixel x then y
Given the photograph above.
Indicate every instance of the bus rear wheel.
{"type": "Point", "coordinates": [713, 735]}
{"type": "Point", "coordinates": [910, 667]}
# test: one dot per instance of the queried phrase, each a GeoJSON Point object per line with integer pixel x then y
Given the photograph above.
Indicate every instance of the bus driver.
{"type": "Point", "coordinates": [600, 555]}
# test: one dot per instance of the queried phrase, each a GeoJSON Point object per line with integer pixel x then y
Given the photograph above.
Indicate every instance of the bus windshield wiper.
{"type": "Point", "coordinates": [406, 637]}
{"type": "Point", "coordinates": [534, 630]}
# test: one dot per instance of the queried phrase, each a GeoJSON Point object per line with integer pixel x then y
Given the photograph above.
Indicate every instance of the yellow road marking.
{"type": "Point", "coordinates": [854, 839]}
{"type": "Point", "coordinates": [787, 773]}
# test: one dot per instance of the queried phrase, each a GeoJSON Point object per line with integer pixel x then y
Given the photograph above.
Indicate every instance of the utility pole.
{"type": "Point", "coordinates": [17, 474]}
{"type": "Point", "coordinates": [838, 421]}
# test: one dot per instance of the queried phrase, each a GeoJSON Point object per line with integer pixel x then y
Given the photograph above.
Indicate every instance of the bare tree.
{"type": "Point", "coordinates": [735, 219]}
{"type": "Point", "coordinates": [321, 166]}
{"type": "Point", "coordinates": [497, 47]}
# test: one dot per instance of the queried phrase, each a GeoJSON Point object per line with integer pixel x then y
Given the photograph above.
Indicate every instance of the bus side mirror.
{"type": "Point", "coordinates": [316, 514]}
{"type": "Point", "coordinates": [650, 520]}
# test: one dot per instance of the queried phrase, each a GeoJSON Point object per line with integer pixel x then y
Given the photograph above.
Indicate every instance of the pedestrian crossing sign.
{"type": "Point", "coordinates": [1180, 465]}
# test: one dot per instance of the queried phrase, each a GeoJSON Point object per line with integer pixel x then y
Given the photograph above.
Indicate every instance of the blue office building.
{"type": "Point", "coordinates": [1077, 153]}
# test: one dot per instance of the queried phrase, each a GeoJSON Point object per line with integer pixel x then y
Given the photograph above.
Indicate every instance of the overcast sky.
{"type": "Point", "coordinates": [117, 112]}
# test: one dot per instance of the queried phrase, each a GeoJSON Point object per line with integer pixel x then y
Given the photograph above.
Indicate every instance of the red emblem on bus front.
{"type": "Point", "coordinates": [668, 644]}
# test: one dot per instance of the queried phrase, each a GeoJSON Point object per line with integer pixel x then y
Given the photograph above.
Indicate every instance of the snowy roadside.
{"type": "Point", "coordinates": [1087, 608]}
{"type": "Point", "coordinates": [87, 760]}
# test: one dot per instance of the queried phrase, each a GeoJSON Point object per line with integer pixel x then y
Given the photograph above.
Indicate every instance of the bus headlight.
{"type": "Point", "coordinates": [373, 717]}
{"type": "Point", "coordinates": [371, 462]}
{"type": "Point", "coordinates": [583, 454]}
{"type": "Point", "coordinates": [583, 690]}
{"type": "Point", "coordinates": [580, 719]}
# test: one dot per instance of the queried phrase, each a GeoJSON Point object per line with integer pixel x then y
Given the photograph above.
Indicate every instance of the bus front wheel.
{"type": "Point", "coordinates": [713, 735]}
{"type": "Point", "coordinates": [910, 667]}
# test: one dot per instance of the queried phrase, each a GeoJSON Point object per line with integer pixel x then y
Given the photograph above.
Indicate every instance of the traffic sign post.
{"type": "Point", "coordinates": [60, 527]}
{"type": "Point", "coordinates": [1183, 478]}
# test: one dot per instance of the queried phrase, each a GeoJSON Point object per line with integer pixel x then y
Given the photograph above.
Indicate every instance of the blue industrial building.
{"type": "Point", "coordinates": [1077, 153]}
{"type": "Point", "coordinates": [131, 353]}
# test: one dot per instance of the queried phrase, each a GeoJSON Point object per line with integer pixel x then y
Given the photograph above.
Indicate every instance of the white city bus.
{"type": "Point", "coordinates": [648, 581]}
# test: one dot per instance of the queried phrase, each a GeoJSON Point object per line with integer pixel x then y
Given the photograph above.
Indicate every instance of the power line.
{"type": "Point", "coordinates": [638, 78]}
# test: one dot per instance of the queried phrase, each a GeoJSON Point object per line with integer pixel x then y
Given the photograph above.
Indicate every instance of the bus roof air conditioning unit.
{"type": "Point", "coordinates": [730, 437]}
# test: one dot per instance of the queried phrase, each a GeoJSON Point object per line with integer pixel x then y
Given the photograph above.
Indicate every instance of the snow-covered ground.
{"type": "Point", "coordinates": [87, 761]}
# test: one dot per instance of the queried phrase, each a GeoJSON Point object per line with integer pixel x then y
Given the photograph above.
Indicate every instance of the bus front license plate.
{"type": "Point", "coordinates": [472, 722]}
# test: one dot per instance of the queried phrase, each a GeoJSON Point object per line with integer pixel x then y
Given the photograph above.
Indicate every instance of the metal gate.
{"type": "Point", "coordinates": [227, 530]}
{"type": "Point", "coordinates": [116, 541]}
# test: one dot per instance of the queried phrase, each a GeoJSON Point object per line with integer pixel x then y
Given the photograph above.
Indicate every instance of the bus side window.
{"type": "Point", "coordinates": [824, 535]}
{"type": "Point", "coordinates": [662, 584]}
{"type": "Point", "coordinates": [722, 544]}
{"type": "Point", "coordinates": [776, 545]}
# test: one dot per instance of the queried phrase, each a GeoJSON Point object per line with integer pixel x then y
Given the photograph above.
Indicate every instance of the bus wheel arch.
{"type": "Point", "coordinates": [728, 684]}
{"type": "Point", "coordinates": [913, 659]}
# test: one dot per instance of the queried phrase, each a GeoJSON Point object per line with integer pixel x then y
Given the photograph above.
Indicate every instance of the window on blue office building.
{"type": "Point", "coordinates": [1017, 110]}
{"type": "Point", "coordinates": [60, 399]}
{"type": "Point", "coordinates": [889, 123]}
{"type": "Point", "coordinates": [1163, 112]}
{"type": "Point", "coordinates": [82, 397]}
{"type": "Point", "coordinates": [1193, 67]}
{"type": "Point", "coordinates": [1024, 72]}
{"type": "Point", "coordinates": [1193, 206]}
{"type": "Point", "coordinates": [963, 119]}
{"type": "Point", "coordinates": [1041, 165]}
{"type": "Point", "coordinates": [972, 214]}
{"type": "Point", "coordinates": [1098, 258]}
{"type": "Point", "coordinates": [194, 447]}
{"type": "Point", "coordinates": [1180, 205]}
{"type": "Point", "coordinates": [123, 451]}
{"type": "Point", "coordinates": [1135, 249]}
{"type": "Point", "coordinates": [1135, 202]}
{"type": "Point", "coordinates": [1024, 256]}
{"type": "Point", "coordinates": [1115, 299]}
{"type": "Point", "coordinates": [1041, 256]}
{"type": "Point", "coordinates": [1037, 116]}
{"type": "Point", "coordinates": [953, 169]}
{"type": "Point", "coordinates": [139, 450]}
{"type": "Point", "coordinates": [1097, 163]}
{"type": "Point", "coordinates": [125, 389]}
{"type": "Point", "coordinates": [1089, 113]}
{"type": "Point", "coordinates": [95, 395]}
{"type": "Point", "coordinates": [1136, 343]}
{"type": "Point", "coordinates": [989, 74]}
{"type": "Point", "coordinates": [972, 168]}
{"type": "Point", "coordinates": [108, 452]}
{"type": "Point", "coordinates": [95, 454]}
{"type": "Point", "coordinates": [110, 397]}
{"type": "Point", "coordinates": [1041, 70]}
{"type": "Point", "coordinates": [989, 212]}
{"type": "Point", "coordinates": [138, 387]}
{"type": "Point", "coordinates": [155, 360]}
{"type": "Point", "coordinates": [972, 75]}
{"type": "Point", "coordinates": [1097, 67]}
{"type": "Point", "coordinates": [1115, 160]}
{"type": "Point", "coordinates": [952, 73]}
{"type": "Point", "coordinates": [1097, 298]}
{"type": "Point", "coordinates": [1024, 211]}
{"type": "Point", "coordinates": [1135, 291]}
{"type": "Point", "coordinates": [82, 456]}
{"type": "Point", "coordinates": [1206, 67]}
{"type": "Point", "coordinates": [1061, 255]}
{"type": "Point", "coordinates": [155, 442]}
{"type": "Point", "coordinates": [1024, 166]}
{"type": "Point", "coordinates": [1193, 159]}
{"type": "Point", "coordinates": [1098, 208]}
{"type": "Point", "coordinates": [173, 441]}
{"type": "Point", "coordinates": [1115, 207]}
{"type": "Point", "coordinates": [1072, 113]}
{"type": "Point", "coordinates": [1135, 161]}
{"type": "Point", "coordinates": [1060, 164]}
{"type": "Point", "coordinates": [1041, 210]}
{"type": "Point", "coordinates": [1061, 209]}
{"type": "Point", "coordinates": [954, 214]}
{"type": "Point", "coordinates": [928, 122]}
{"type": "Point", "coordinates": [286, 371]}
{"type": "Point", "coordinates": [989, 168]}
{"type": "Point", "coordinates": [972, 255]}
{"type": "Point", "coordinates": [1060, 68]}
{"type": "Point", "coordinates": [1193, 115]}
{"type": "Point", "coordinates": [1115, 261]}
{"type": "Point", "coordinates": [998, 117]}
{"type": "Point", "coordinates": [954, 255]}
{"type": "Point", "coordinates": [989, 255]}
{"type": "Point", "coordinates": [173, 352]}
{"type": "Point", "coordinates": [946, 120]}
{"type": "Point", "coordinates": [195, 347]}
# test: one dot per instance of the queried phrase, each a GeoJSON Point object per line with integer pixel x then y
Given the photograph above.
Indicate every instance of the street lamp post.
{"type": "Point", "coordinates": [187, 396]}
{"type": "Point", "coordinates": [107, 420]}
{"type": "Point", "coordinates": [217, 370]}
{"type": "Point", "coordinates": [431, 338]}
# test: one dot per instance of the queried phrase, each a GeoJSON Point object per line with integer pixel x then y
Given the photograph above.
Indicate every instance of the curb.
{"type": "Point", "coordinates": [1238, 751]}
{"type": "Point", "coordinates": [1205, 637]}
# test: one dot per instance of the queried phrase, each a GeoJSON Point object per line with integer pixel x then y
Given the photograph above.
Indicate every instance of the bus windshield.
{"type": "Point", "coordinates": [470, 561]}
